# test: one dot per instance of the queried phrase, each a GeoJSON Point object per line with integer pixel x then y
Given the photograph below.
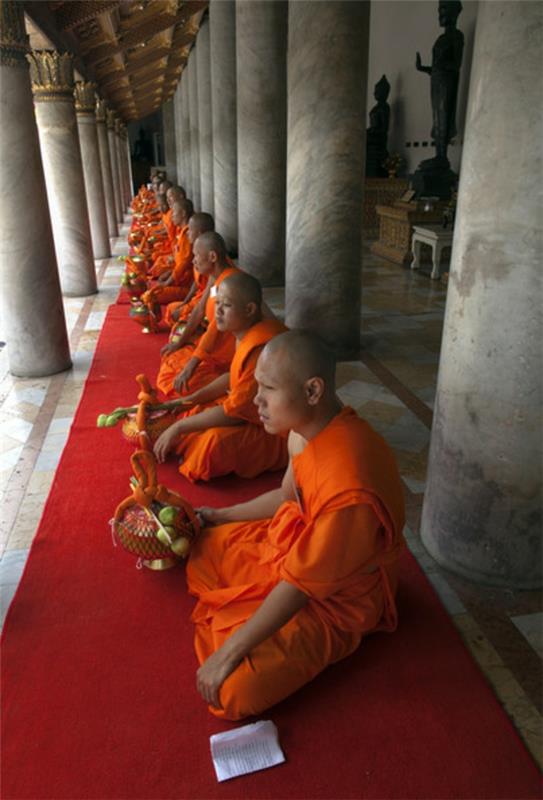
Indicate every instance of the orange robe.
{"type": "Point", "coordinates": [247, 450]}
{"type": "Point", "coordinates": [201, 285]}
{"type": "Point", "coordinates": [339, 544]}
{"type": "Point", "coordinates": [214, 348]}
{"type": "Point", "coordinates": [181, 273]}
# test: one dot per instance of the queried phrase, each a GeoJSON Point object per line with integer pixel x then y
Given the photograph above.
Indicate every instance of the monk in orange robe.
{"type": "Point", "coordinates": [202, 352]}
{"type": "Point", "coordinates": [164, 248]}
{"type": "Point", "coordinates": [179, 311]}
{"type": "Point", "coordinates": [294, 579]}
{"type": "Point", "coordinates": [222, 433]}
{"type": "Point", "coordinates": [174, 284]}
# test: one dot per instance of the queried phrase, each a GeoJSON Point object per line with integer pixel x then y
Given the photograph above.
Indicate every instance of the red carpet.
{"type": "Point", "coordinates": [98, 669]}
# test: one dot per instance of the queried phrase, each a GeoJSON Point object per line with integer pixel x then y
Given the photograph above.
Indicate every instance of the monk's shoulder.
{"type": "Point", "coordinates": [296, 444]}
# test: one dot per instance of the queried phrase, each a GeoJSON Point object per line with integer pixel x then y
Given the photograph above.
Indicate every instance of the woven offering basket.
{"type": "Point", "coordinates": [156, 423]}
{"type": "Point", "coordinates": [137, 531]}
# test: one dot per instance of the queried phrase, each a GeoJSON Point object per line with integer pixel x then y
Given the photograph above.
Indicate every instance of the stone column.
{"type": "Point", "coordinates": [132, 190]}
{"type": "Point", "coordinates": [482, 506]}
{"type": "Point", "coordinates": [261, 47]}
{"type": "Point", "coordinates": [105, 167]}
{"type": "Point", "coordinates": [53, 86]}
{"type": "Point", "coordinates": [32, 310]}
{"type": "Point", "coordinates": [85, 102]}
{"type": "Point", "coordinates": [325, 169]}
{"type": "Point", "coordinates": [185, 135]}
{"type": "Point", "coordinates": [119, 160]}
{"type": "Point", "coordinates": [178, 135]}
{"type": "Point", "coordinates": [222, 26]}
{"type": "Point", "coordinates": [123, 160]}
{"type": "Point", "coordinates": [194, 131]}
{"type": "Point", "coordinates": [203, 68]}
{"type": "Point", "coordinates": [169, 128]}
{"type": "Point", "coordinates": [112, 143]}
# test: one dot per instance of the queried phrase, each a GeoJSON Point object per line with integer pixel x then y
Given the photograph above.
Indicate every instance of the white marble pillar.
{"type": "Point", "coordinates": [112, 143]}
{"type": "Point", "coordinates": [127, 195]}
{"type": "Point", "coordinates": [53, 86]}
{"type": "Point", "coordinates": [203, 68]}
{"type": "Point", "coordinates": [105, 167]}
{"type": "Point", "coordinates": [261, 50]}
{"type": "Point", "coordinates": [482, 506]}
{"type": "Point", "coordinates": [31, 302]}
{"type": "Point", "coordinates": [169, 129]}
{"type": "Point", "coordinates": [119, 164]}
{"type": "Point", "coordinates": [194, 130]}
{"type": "Point", "coordinates": [178, 136]}
{"type": "Point", "coordinates": [222, 28]}
{"type": "Point", "coordinates": [185, 133]}
{"type": "Point", "coordinates": [326, 125]}
{"type": "Point", "coordinates": [85, 102]}
{"type": "Point", "coordinates": [132, 190]}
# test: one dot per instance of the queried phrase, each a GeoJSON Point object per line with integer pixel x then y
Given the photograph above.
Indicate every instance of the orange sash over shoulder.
{"type": "Point", "coordinates": [340, 544]}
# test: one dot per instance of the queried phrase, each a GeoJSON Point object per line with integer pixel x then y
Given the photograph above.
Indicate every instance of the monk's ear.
{"type": "Point", "coordinates": [314, 390]}
{"type": "Point", "coordinates": [212, 255]}
{"type": "Point", "coordinates": [251, 309]}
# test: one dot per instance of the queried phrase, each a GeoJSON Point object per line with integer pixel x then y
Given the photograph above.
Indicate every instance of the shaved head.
{"type": "Point", "coordinates": [202, 223]}
{"type": "Point", "coordinates": [185, 206]}
{"type": "Point", "coordinates": [213, 241]}
{"type": "Point", "coordinates": [245, 288]}
{"type": "Point", "coordinates": [177, 191]}
{"type": "Point", "coordinates": [304, 355]}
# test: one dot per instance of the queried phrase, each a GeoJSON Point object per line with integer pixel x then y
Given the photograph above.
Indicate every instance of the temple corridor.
{"type": "Point", "coordinates": [392, 386]}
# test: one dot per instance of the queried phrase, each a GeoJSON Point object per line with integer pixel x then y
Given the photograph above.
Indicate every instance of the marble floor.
{"type": "Point", "coordinates": [392, 386]}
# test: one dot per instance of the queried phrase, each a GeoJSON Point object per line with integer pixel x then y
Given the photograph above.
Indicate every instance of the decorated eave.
{"type": "Point", "coordinates": [134, 50]}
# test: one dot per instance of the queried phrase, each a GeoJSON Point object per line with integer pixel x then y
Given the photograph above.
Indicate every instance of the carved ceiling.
{"type": "Point", "coordinates": [135, 50]}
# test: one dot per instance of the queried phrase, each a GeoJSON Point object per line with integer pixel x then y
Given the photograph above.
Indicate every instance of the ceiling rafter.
{"type": "Point", "coordinates": [135, 50]}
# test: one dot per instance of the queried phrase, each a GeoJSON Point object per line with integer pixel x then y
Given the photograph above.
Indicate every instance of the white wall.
{"type": "Point", "coordinates": [398, 28]}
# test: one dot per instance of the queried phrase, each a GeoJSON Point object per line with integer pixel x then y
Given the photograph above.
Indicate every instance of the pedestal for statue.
{"type": "Point", "coordinates": [396, 229]}
{"type": "Point", "coordinates": [434, 178]}
{"type": "Point", "coordinates": [379, 191]}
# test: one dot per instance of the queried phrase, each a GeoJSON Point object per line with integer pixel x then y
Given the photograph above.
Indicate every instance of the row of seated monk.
{"type": "Point", "coordinates": [291, 581]}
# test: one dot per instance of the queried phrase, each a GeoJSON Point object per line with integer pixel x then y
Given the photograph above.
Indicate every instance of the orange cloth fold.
{"type": "Point", "coordinates": [245, 449]}
{"type": "Point", "coordinates": [214, 349]}
{"type": "Point", "coordinates": [340, 544]}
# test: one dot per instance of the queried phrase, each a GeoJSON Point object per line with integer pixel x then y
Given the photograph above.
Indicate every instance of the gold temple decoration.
{"type": "Point", "coordinates": [110, 119]}
{"type": "Point", "coordinates": [85, 97]}
{"type": "Point", "coordinates": [13, 38]}
{"type": "Point", "coordinates": [100, 110]}
{"type": "Point", "coordinates": [129, 48]}
{"type": "Point", "coordinates": [52, 75]}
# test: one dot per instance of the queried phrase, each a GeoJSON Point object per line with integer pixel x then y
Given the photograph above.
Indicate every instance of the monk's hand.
{"type": "Point", "coordinates": [166, 442]}
{"type": "Point", "coordinates": [182, 380]}
{"type": "Point", "coordinates": [208, 516]}
{"type": "Point", "coordinates": [168, 349]}
{"type": "Point", "coordinates": [212, 674]}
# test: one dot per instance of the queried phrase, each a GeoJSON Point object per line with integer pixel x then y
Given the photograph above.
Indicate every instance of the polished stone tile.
{"type": "Point", "coordinates": [15, 428]}
{"type": "Point", "coordinates": [448, 596]}
{"type": "Point", "coordinates": [10, 457]}
{"type": "Point", "coordinates": [95, 321]}
{"type": "Point", "coordinates": [531, 627]}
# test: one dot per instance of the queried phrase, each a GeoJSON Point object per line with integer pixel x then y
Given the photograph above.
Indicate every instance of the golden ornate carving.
{"type": "Point", "coordinates": [100, 110]}
{"type": "Point", "coordinates": [52, 74]}
{"type": "Point", "coordinates": [110, 119]}
{"type": "Point", "coordinates": [85, 97]}
{"type": "Point", "coordinates": [71, 15]}
{"type": "Point", "coordinates": [13, 38]}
